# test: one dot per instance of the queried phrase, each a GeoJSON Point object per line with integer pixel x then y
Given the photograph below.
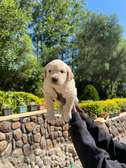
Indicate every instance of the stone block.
{"type": "Point", "coordinates": [17, 134]}
{"type": "Point", "coordinates": [2, 136]}
{"type": "Point", "coordinates": [17, 152]}
{"type": "Point", "coordinates": [19, 143]}
{"type": "Point", "coordinates": [35, 146]}
{"type": "Point", "coordinates": [30, 138]}
{"type": "Point", "coordinates": [3, 146]}
{"type": "Point", "coordinates": [26, 149]}
{"type": "Point", "coordinates": [49, 144]}
{"type": "Point", "coordinates": [36, 129]}
{"type": "Point", "coordinates": [16, 125]}
{"type": "Point", "coordinates": [65, 134]}
{"type": "Point", "coordinates": [34, 119]}
{"type": "Point", "coordinates": [5, 126]}
{"type": "Point", "coordinates": [9, 136]}
{"type": "Point", "coordinates": [7, 151]}
{"type": "Point", "coordinates": [30, 126]}
{"type": "Point", "coordinates": [40, 120]}
{"type": "Point", "coordinates": [24, 138]}
{"type": "Point", "coordinates": [37, 137]}
{"type": "Point", "coordinates": [43, 143]}
{"type": "Point", "coordinates": [23, 128]}
{"type": "Point", "coordinates": [42, 130]}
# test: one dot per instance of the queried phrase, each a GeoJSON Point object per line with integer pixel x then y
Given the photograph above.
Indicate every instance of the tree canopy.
{"type": "Point", "coordinates": [33, 32]}
{"type": "Point", "coordinates": [101, 51]}
{"type": "Point", "coordinates": [54, 22]}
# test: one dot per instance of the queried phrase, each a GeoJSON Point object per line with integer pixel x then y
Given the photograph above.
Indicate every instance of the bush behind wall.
{"type": "Point", "coordinates": [111, 106]}
{"type": "Point", "coordinates": [14, 99]}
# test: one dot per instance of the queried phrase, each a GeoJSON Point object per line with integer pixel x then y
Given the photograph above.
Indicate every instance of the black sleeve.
{"type": "Point", "coordinates": [105, 141]}
{"type": "Point", "coordinates": [90, 155]}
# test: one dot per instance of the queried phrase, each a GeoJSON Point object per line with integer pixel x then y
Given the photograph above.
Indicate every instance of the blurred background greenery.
{"type": "Point", "coordinates": [34, 32]}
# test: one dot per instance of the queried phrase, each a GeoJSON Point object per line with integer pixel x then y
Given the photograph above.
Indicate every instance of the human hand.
{"type": "Point", "coordinates": [76, 108]}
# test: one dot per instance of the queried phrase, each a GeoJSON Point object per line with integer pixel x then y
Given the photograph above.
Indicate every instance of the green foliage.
{"type": "Point", "coordinates": [121, 102]}
{"type": "Point", "coordinates": [17, 60]}
{"type": "Point", "coordinates": [13, 99]}
{"type": "Point", "coordinates": [101, 51]}
{"type": "Point", "coordinates": [13, 22]}
{"type": "Point", "coordinates": [55, 21]}
{"type": "Point", "coordinates": [111, 106]}
{"type": "Point", "coordinates": [92, 43]}
{"type": "Point", "coordinates": [90, 93]}
{"type": "Point", "coordinates": [91, 107]}
{"type": "Point", "coordinates": [27, 73]}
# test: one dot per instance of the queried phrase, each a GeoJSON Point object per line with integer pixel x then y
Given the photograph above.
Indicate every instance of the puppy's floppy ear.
{"type": "Point", "coordinates": [69, 74]}
{"type": "Point", "coordinates": [45, 73]}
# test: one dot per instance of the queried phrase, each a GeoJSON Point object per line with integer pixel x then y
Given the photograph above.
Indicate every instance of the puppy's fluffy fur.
{"type": "Point", "coordinates": [59, 84]}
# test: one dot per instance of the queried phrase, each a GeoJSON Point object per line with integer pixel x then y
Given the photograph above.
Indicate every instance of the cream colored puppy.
{"type": "Point", "coordinates": [59, 84]}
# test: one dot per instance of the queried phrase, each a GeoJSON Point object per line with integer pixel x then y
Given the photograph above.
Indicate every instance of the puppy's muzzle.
{"type": "Point", "coordinates": [54, 79]}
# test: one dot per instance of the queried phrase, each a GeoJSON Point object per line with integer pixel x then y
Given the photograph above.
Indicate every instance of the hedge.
{"type": "Point", "coordinates": [111, 106]}
{"type": "Point", "coordinates": [13, 99]}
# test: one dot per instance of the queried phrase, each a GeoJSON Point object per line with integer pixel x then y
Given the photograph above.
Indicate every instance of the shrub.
{"type": "Point", "coordinates": [110, 106]}
{"type": "Point", "coordinates": [91, 107]}
{"type": "Point", "coordinates": [13, 99]}
{"type": "Point", "coordinates": [121, 102]}
{"type": "Point", "coordinates": [90, 93]}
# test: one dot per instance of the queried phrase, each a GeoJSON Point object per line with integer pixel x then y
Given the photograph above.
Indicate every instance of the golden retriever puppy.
{"type": "Point", "coordinates": [59, 84]}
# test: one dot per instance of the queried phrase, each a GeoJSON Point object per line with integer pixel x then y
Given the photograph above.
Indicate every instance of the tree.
{"type": "Point", "coordinates": [117, 67]}
{"type": "Point", "coordinates": [98, 43]}
{"type": "Point", "coordinates": [17, 60]}
{"type": "Point", "coordinates": [54, 22]}
{"type": "Point", "coordinates": [12, 25]}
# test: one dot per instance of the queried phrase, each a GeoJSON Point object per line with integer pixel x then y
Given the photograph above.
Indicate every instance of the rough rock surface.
{"type": "Point", "coordinates": [32, 142]}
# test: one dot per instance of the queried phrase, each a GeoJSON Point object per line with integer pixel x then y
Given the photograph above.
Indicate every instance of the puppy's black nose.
{"type": "Point", "coordinates": [54, 79]}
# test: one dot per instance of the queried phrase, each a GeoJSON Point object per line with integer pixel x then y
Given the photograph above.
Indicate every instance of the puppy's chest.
{"type": "Point", "coordinates": [59, 96]}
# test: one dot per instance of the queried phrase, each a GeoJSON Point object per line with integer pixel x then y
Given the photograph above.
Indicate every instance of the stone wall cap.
{"type": "Point", "coordinates": [14, 116]}
{"type": "Point", "coordinates": [116, 117]}
{"type": "Point", "coordinates": [123, 114]}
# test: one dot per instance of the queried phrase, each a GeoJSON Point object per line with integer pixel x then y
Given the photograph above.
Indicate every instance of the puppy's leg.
{"type": "Point", "coordinates": [60, 107]}
{"type": "Point", "coordinates": [50, 108]}
{"type": "Point", "coordinates": [67, 108]}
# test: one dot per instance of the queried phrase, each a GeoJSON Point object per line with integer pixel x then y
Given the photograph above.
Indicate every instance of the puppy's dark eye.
{"type": "Point", "coordinates": [62, 71]}
{"type": "Point", "coordinates": [49, 70]}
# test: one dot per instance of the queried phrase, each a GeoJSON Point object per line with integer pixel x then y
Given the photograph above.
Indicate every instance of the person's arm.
{"type": "Point", "coordinates": [90, 155]}
{"type": "Point", "coordinates": [104, 140]}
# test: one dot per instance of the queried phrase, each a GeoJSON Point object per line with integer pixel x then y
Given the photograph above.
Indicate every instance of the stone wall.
{"type": "Point", "coordinates": [117, 126]}
{"type": "Point", "coordinates": [32, 142]}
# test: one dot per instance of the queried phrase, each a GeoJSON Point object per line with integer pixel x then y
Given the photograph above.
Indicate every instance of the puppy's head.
{"type": "Point", "coordinates": [57, 72]}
